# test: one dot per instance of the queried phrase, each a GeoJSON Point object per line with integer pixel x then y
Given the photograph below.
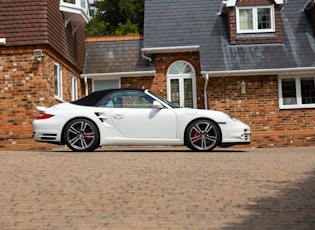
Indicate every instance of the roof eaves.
{"type": "Point", "coordinates": [280, 71]}
{"type": "Point", "coordinates": [172, 49]}
{"type": "Point", "coordinates": [116, 75]}
{"type": "Point", "coordinates": [232, 3]}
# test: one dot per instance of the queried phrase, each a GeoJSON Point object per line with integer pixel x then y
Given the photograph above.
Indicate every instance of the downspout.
{"type": "Point", "coordinates": [86, 86]}
{"type": "Point", "coordinates": [145, 57]}
{"type": "Point", "coordinates": [205, 91]}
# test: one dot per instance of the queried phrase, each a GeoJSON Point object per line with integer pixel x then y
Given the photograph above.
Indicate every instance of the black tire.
{"type": "Point", "coordinates": [81, 135]}
{"type": "Point", "coordinates": [202, 135]}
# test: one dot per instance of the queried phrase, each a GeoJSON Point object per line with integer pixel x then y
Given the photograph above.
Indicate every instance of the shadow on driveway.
{"type": "Point", "coordinates": [293, 208]}
{"type": "Point", "coordinates": [142, 149]}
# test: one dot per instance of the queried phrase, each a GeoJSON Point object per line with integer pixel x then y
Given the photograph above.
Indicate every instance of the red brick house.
{"type": "Point", "coordinates": [254, 59]}
{"type": "Point", "coordinates": [41, 57]}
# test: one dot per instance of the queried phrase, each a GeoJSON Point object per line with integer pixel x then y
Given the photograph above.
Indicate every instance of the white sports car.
{"type": "Point", "coordinates": [135, 117]}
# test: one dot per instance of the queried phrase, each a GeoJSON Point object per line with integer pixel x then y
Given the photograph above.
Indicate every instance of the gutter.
{"type": "Point", "coordinates": [255, 72]}
{"type": "Point", "coordinates": [170, 49]}
{"type": "Point", "coordinates": [119, 74]}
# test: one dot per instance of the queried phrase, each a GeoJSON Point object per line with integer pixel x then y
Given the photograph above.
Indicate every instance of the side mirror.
{"type": "Point", "coordinates": [157, 105]}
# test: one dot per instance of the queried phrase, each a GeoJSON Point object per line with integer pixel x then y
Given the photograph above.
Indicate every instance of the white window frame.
{"type": "Point", "coordinates": [255, 19]}
{"type": "Point", "coordinates": [74, 88]}
{"type": "Point", "coordinates": [181, 77]}
{"type": "Point", "coordinates": [298, 104]}
{"type": "Point", "coordinates": [58, 96]}
{"type": "Point", "coordinates": [106, 79]}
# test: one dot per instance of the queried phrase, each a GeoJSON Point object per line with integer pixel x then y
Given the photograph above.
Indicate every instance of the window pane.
{"type": "Point", "coordinates": [69, 1]}
{"type": "Point", "coordinates": [74, 90]}
{"type": "Point", "coordinates": [57, 80]}
{"type": "Point", "coordinates": [246, 19]}
{"type": "Point", "coordinates": [105, 84]}
{"type": "Point", "coordinates": [288, 91]}
{"type": "Point", "coordinates": [188, 69]}
{"type": "Point", "coordinates": [188, 91]}
{"type": "Point", "coordinates": [175, 91]}
{"type": "Point", "coordinates": [308, 90]}
{"type": "Point", "coordinates": [264, 18]}
{"type": "Point", "coordinates": [173, 70]}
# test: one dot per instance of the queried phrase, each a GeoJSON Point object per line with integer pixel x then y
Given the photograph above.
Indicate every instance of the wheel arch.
{"type": "Point", "coordinates": [202, 118]}
{"type": "Point", "coordinates": [63, 128]}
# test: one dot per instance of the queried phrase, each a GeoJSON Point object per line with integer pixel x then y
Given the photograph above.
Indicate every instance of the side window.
{"type": "Point", "coordinates": [58, 80]}
{"type": "Point", "coordinates": [259, 19]}
{"type": "Point", "coordinates": [74, 88]}
{"type": "Point", "coordinates": [297, 92]}
{"type": "Point", "coordinates": [127, 99]}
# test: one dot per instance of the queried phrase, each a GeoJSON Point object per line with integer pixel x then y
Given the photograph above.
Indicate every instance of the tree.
{"type": "Point", "coordinates": [116, 17]}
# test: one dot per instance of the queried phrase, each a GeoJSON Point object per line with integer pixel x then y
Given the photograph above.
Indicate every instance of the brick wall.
{"type": "Point", "coordinates": [259, 107]}
{"type": "Point", "coordinates": [158, 84]}
{"type": "Point", "coordinates": [25, 83]}
{"type": "Point", "coordinates": [137, 82]}
{"type": "Point", "coordinates": [164, 61]}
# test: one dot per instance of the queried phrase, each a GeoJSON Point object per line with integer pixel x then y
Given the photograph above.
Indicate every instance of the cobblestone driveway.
{"type": "Point", "coordinates": [166, 188]}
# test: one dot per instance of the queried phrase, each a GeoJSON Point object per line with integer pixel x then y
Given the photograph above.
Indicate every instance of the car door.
{"type": "Point", "coordinates": [147, 123]}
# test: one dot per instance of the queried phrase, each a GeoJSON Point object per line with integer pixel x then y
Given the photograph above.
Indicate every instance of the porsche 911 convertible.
{"type": "Point", "coordinates": [135, 117]}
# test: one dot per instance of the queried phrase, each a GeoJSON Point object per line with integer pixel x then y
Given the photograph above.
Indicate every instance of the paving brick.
{"type": "Point", "coordinates": [158, 188]}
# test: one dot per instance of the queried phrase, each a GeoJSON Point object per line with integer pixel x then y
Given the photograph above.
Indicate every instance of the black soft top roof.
{"type": "Point", "coordinates": [93, 98]}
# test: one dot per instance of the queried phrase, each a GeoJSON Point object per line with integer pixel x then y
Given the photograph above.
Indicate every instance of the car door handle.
{"type": "Point", "coordinates": [118, 116]}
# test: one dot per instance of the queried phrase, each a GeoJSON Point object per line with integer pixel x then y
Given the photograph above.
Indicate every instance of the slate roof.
{"type": "Point", "coordinates": [115, 54]}
{"type": "Point", "coordinates": [171, 23]}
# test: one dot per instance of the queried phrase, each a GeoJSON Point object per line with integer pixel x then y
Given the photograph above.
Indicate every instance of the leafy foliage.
{"type": "Point", "coordinates": [116, 17]}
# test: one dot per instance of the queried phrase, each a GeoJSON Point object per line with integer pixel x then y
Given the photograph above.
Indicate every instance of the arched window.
{"type": "Point", "coordinates": [181, 84]}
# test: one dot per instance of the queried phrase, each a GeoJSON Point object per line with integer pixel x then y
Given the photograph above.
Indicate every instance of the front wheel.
{"type": "Point", "coordinates": [202, 135]}
{"type": "Point", "coordinates": [81, 135]}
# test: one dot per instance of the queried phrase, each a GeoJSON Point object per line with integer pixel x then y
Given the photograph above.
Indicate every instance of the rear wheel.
{"type": "Point", "coordinates": [202, 135]}
{"type": "Point", "coordinates": [81, 135]}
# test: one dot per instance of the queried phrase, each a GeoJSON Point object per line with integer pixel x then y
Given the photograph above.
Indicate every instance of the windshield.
{"type": "Point", "coordinates": [164, 100]}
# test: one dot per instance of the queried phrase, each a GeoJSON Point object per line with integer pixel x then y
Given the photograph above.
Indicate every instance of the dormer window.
{"type": "Point", "coordinates": [253, 22]}
{"type": "Point", "coordinates": [259, 19]}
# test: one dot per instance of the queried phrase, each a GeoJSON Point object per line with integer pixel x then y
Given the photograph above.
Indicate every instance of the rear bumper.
{"type": "Point", "coordinates": [46, 137]}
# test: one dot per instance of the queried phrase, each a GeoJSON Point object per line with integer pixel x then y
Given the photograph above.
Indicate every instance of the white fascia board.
{"type": "Point", "coordinates": [119, 75]}
{"type": "Point", "coordinates": [231, 3]}
{"type": "Point", "coordinates": [255, 72]}
{"type": "Point", "coordinates": [280, 2]}
{"type": "Point", "coordinates": [171, 49]}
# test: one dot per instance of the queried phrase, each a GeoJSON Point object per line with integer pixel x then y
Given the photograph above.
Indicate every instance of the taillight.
{"type": "Point", "coordinates": [44, 116]}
